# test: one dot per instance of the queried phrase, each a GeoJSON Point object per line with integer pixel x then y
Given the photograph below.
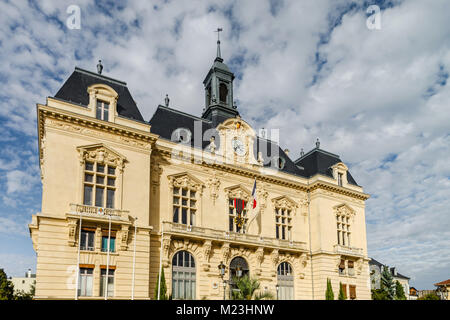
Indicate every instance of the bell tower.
{"type": "Point", "coordinates": [219, 90]}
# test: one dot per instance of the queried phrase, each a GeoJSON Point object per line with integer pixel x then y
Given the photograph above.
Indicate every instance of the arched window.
{"type": "Point", "coordinates": [183, 276]}
{"type": "Point", "coordinates": [285, 280]}
{"type": "Point", "coordinates": [223, 92]}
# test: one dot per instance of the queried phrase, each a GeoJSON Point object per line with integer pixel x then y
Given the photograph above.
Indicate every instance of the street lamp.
{"type": "Point", "coordinates": [222, 267]}
{"type": "Point", "coordinates": [278, 288]}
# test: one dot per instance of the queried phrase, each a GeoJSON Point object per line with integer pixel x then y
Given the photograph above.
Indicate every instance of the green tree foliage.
{"type": "Point", "coordinates": [430, 296]}
{"type": "Point", "coordinates": [387, 283]}
{"type": "Point", "coordinates": [247, 289]}
{"type": "Point", "coordinates": [6, 287]}
{"type": "Point", "coordinates": [399, 292]}
{"type": "Point", "coordinates": [379, 294]}
{"type": "Point", "coordinates": [329, 295]}
{"type": "Point", "coordinates": [341, 292]}
{"type": "Point", "coordinates": [163, 291]}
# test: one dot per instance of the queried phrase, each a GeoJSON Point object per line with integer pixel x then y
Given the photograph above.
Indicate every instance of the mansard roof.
{"type": "Point", "coordinates": [319, 161]}
{"type": "Point", "coordinates": [75, 90]}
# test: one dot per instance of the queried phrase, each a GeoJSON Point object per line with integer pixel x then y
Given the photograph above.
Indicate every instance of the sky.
{"type": "Point", "coordinates": [378, 97]}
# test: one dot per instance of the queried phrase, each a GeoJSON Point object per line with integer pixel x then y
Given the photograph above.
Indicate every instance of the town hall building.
{"type": "Point", "coordinates": [205, 197]}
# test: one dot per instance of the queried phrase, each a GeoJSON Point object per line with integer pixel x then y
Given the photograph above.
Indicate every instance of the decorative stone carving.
{"type": "Point", "coordinates": [225, 252]}
{"type": "Point", "coordinates": [238, 192]}
{"type": "Point", "coordinates": [185, 180]}
{"type": "Point", "coordinates": [344, 210]}
{"type": "Point", "coordinates": [213, 185]}
{"type": "Point", "coordinates": [359, 266]}
{"type": "Point", "coordinates": [284, 202]}
{"type": "Point", "coordinates": [101, 154]}
{"type": "Point", "coordinates": [262, 195]}
{"type": "Point", "coordinates": [124, 237]}
{"type": "Point", "coordinates": [259, 254]}
{"type": "Point", "coordinates": [207, 246]}
{"type": "Point", "coordinates": [72, 224]}
{"type": "Point", "coordinates": [156, 172]}
{"type": "Point", "coordinates": [275, 256]}
{"type": "Point", "coordinates": [166, 249]}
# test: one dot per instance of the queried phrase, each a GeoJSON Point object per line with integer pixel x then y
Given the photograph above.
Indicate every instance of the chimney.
{"type": "Point", "coordinates": [28, 275]}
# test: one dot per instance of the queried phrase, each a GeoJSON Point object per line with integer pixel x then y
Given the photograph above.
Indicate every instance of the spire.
{"type": "Point", "coordinates": [219, 55]}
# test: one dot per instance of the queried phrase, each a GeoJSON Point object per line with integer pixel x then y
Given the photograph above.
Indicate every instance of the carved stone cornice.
{"type": "Point", "coordinates": [101, 154]}
{"type": "Point", "coordinates": [185, 180]}
{"type": "Point", "coordinates": [239, 192]}
{"type": "Point", "coordinates": [286, 203]}
{"type": "Point", "coordinates": [344, 210]}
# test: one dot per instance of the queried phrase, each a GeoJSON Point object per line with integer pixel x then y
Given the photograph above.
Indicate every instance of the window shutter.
{"type": "Point", "coordinates": [350, 264]}
{"type": "Point", "coordinates": [352, 292]}
{"type": "Point", "coordinates": [344, 288]}
{"type": "Point", "coordinates": [106, 232]}
{"type": "Point", "coordinates": [342, 265]}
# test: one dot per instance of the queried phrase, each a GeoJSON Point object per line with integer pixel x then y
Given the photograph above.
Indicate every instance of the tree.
{"type": "Point", "coordinates": [399, 292]}
{"type": "Point", "coordinates": [341, 292]}
{"type": "Point", "coordinates": [387, 283]}
{"type": "Point", "coordinates": [247, 289]}
{"type": "Point", "coordinates": [163, 291]}
{"type": "Point", "coordinates": [329, 295]}
{"type": "Point", "coordinates": [379, 294]}
{"type": "Point", "coordinates": [6, 287]}
{"type": "Point", "coordinates": [430, 296]}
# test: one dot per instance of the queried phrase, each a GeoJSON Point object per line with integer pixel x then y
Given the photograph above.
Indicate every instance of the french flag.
{"type": "Point", "coordinates": [254, 195]}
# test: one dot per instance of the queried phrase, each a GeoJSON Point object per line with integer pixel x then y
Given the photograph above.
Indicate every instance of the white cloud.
{"type": "Point", "coordinates": [380, 99]}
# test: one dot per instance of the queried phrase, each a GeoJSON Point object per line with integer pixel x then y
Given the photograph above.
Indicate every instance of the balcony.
{"type": "Point", "coordinates": [97, 212]}
{"type": "Point", "coordinates": [349, 251]}
{"type": "Point", "coordinates": [201, 233]}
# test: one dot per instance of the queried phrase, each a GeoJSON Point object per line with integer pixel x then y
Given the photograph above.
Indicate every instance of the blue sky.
{"type": "Point", "coordinates": [378, 98]}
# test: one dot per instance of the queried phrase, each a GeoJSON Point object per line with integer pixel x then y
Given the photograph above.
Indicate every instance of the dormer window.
{"type": "Point", "coordinates": [102, 112]}
{"type": "Point", "coordinates": [340, 176]}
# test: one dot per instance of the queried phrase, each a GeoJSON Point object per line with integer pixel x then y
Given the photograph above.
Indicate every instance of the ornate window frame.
{"type": "Point", "coordinates": [101, 154]}
{"type": "Point", "coordinates": [237, 192]}
{"type": "Point", "coordinates": [287, 205]}
{"type": "Point", "coordinates": [103, 92]}
{"type": "Point", "coordinates": [340, 174]}
{"type": "Point", "coordinates": [186, 180]}
{"type": "Point", "coordinates": [344, 219]}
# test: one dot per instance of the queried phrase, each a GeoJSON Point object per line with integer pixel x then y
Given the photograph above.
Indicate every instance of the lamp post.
{"type": "Point", "coordinates": [222, 267]}
{"type": "Point", "coordinates": [238, 272]}
{"type": "Point", "coordinates": [278, 288]}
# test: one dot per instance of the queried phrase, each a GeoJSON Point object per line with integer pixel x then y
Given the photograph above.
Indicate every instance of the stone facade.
{"type": "Point", "coordinates": [148, 170]}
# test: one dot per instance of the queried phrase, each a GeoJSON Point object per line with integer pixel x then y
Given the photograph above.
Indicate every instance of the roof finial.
{"type": "Point", "coordinates": [317, 143]}
{"type": "Point", "coordinates": [302, 153]}
{"type": "Point", "coordinates": [167, 100]}
{"type": "Point", "coordinates": [219, 56]}
{"type": "Point", "coordinates": [99, 67]}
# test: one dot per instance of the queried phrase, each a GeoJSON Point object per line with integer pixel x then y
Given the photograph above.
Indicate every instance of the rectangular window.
{"type": "Point", "coordinates": [112, 244]}
{"type": "Point", "coordinates": [232, 214]}
{"type": "Point", "coordinates": [343, 230]}
{"type": "Point", "coordinates": [352, 290]}
{"type": "Point", "coordinates": [85, 282]}
{"type": "Point", "coordinates": [184, 202]}
{"type": "Point", "coordinates": [351, 270]}
{"type": "Point", "coordinates": [340, 179]}
{"type": "Point", "coordinates": [342, 267]}
{"type": "Point", "coordinates": [87, 240]}
{"type": "Point", "coordinates": [344, 288]}
{"type": "Point", "coordinates": [283, 224]}
{"type": "Point", "coordinates": [110, 285]}
{"type": "Point", "coordinates": [99, 189]}
{"type": "Point", "coordinates": [102, 111]}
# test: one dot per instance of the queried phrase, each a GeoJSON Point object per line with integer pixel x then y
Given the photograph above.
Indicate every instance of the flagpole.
{"type": "Point", "coordinates": [134, 259]}
{"type": "Point", "coordinates": [78, 260]}
{"type": "Point", "coordinates": [160, 260]}
{"type": "Point", "coordinates": [107, 259]}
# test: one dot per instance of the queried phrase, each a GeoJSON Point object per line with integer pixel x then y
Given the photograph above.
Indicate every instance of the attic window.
{"type": "Point", "coordinates": [102, 112]}
{"type": "Point", "coordinates": [278, 162]}
{"type": "Point", "coordinates": [181, 135]}
{"type": "Point", "coordinates": [340, 175]}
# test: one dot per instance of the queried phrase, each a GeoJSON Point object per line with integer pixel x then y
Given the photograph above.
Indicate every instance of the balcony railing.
{"type": "Point", "coordinates": [221, 235]}
{"type": "Point", "coordinates": [96, 211]}
{"type": "Point", "coordinates": [348, 250]}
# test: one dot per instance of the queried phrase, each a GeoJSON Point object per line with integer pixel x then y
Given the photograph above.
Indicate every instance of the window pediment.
{"type": "Point", "coordinates": [101, 154]}
{"type": "Point", "coordinates": [284, 202]}
{"type": "Point", "coordinates": [344, 210]}
{"type": "Point", "coordinates": [239, 192]}
{"type": "Point", "coordinates": [185, 180]}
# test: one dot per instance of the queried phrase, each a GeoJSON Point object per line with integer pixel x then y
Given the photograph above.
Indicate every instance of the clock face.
{"type": "Point", "coordinates": [238, 147]}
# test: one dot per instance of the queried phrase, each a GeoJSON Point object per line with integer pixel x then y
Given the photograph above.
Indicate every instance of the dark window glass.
{"type": "Point", "coordinates": [100, 168]}
{"type": "Point", "coordinates": [184, 216]}
{"type": "Point", "coordinates": [99, 196]}
{"type": "Point", "coordinates": [175, 214]}
{"type": "Point", "coordinates": [111, 170]}
{"type": "Point", "coordinates": [110, 198]}
{"type": "Point", "coordinates": [223, 92]}
{"type": "Point", "coordinates": [87, 195]}
{"type": "Point", "coordinates": [89, 166]}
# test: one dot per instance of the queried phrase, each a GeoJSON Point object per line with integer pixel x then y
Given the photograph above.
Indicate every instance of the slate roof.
{"type": "Point", "coordinates": [75, 90]}
{"type": "Point", "coordinates": [166, 120]}
{"type": "Point", "coordinates": [391, 270]}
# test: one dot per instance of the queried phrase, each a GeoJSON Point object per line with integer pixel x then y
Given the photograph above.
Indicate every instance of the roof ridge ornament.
{"type": "Point", "coordinates": [317, 143]}
{"type": "Point", "coordinates": [167, 100]}
{"type": "Point", "coordinates": [99, 67]}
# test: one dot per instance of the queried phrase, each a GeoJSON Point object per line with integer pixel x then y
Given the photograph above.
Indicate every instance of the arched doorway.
{"type": "Point", "coordinates": [238, 268]}
{"type": "Point", "coordinates": [285, 281]}
{"type": "Point", "coordinates": [183, 276]}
